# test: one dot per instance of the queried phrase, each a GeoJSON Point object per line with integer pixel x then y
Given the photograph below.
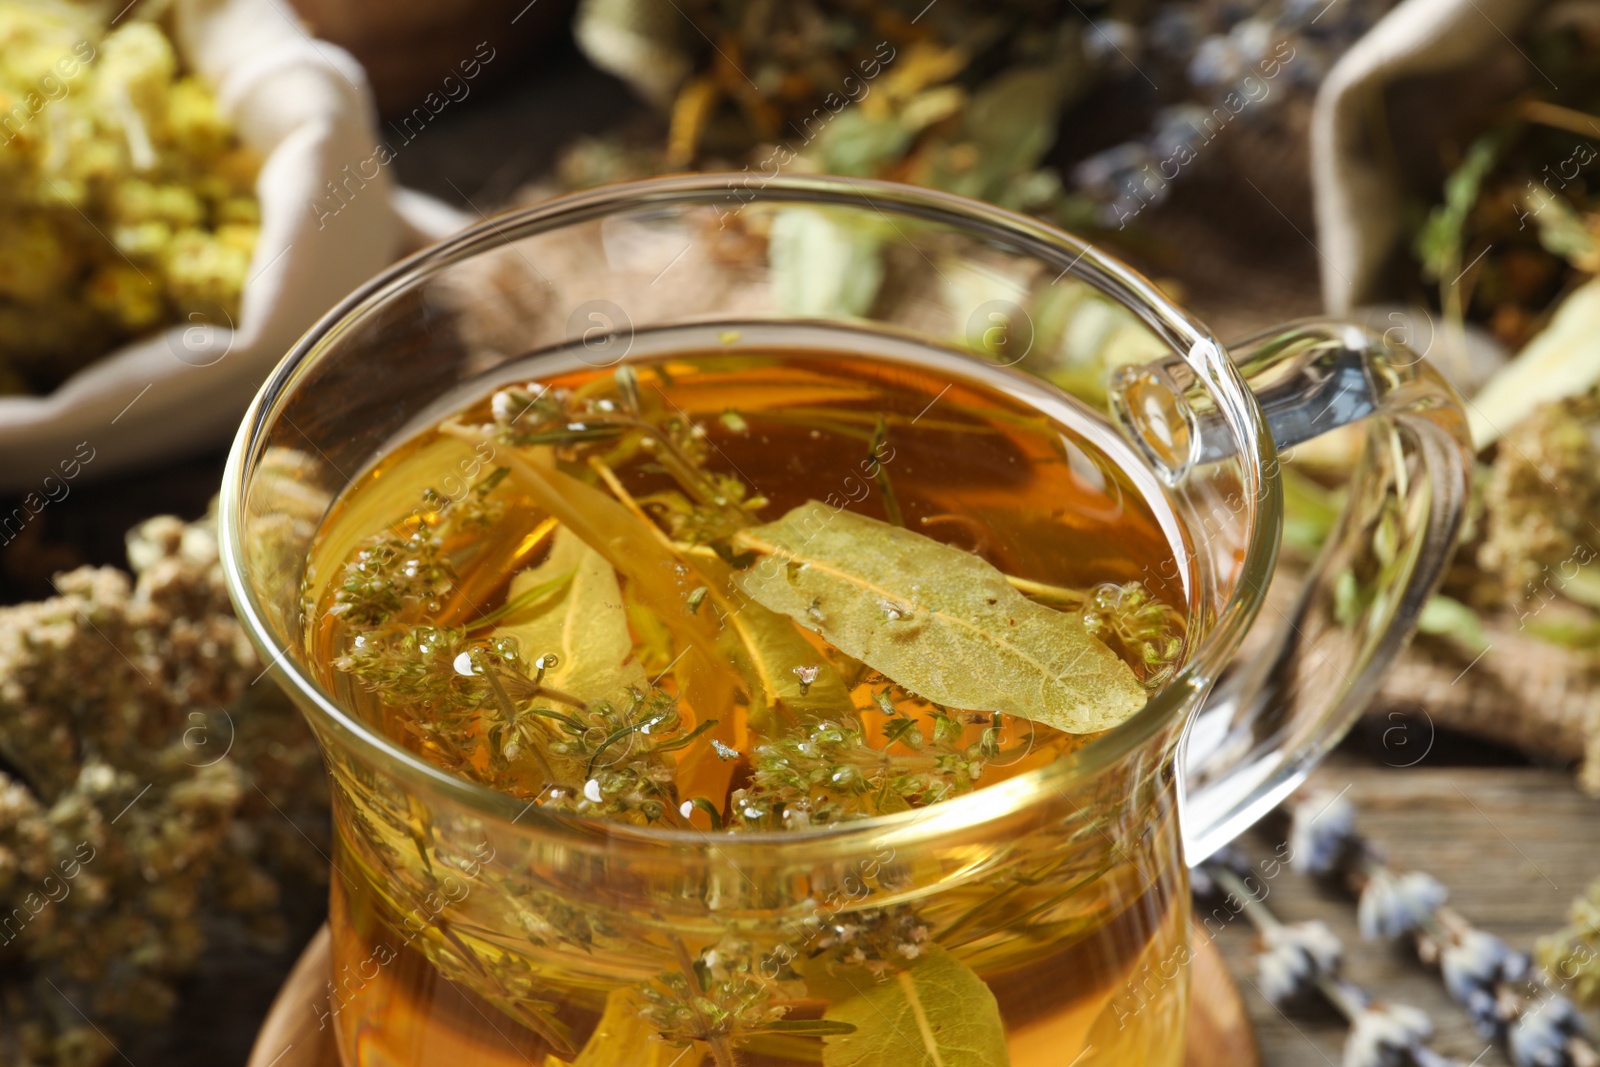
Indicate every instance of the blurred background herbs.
{"type": "Point", "coordinates": [126, 203]}
{"type": "Point", "coordinates": [152, 800]}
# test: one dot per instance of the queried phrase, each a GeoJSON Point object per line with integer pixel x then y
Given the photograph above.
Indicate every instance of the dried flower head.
{"type": "Point", "coordinates": [1294, 957]}
{"type": "Point", "coordinates": [716, 998]}
{"type": "Point", "coordinates": [831, 772]}
{"type": "Point", "coordinates": [1394, 904]}
{"type": "Point", "coordinates": [1542, 1036]}
{"type": "Point", "coordinates": [127, 706]}
{"type": "Point", "coordinates": [1322, 829]}
{"type": "Point", "coordinates": [1386, 1035]}
{"type": "Point", "coordinates": [1571, 956]}
{"type": "Point", "coordinates": [1472, 966]}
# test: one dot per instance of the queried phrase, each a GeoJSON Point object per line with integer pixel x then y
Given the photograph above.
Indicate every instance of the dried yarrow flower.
{"type": "Point", "coordinates": [1571, 956]}
{"type": "Point", "coordinates": [127, 708]}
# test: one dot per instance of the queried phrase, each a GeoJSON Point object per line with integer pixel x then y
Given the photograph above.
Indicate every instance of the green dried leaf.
{"type": "Point", "coordinates": [1443, 616]}
{"type": "Point", "coordinates": [1562, 231]}
{"type": "Point", "coordinates": [586, 629]}
{"type": "Point", "coordinates": [1568, 633]}
{"type": "Point", "coordinates": [1557, 363]}
{"type": "Point", "coordinates": [781, 669]}
{"type": "Point", "coordinates": [623, 1039]}
{"type": "Point", "coordinates": [857, 144]}
{"type": "Point", "coordinates": [937, 620]}
{"type": "Point", "coordinates": [806, 1027]}
{"type": "Point", "coordinates": [822, 264]}
{"type": "Point", "coordinates": [938, 1013]}
{"type": "Point", "coordinates": [1439, 243]}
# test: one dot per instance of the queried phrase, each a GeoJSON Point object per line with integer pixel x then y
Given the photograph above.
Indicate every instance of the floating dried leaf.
{"type": "Point", "coordinates": [939, 621]}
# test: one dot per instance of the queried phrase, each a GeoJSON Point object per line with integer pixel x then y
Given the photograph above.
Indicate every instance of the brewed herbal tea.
{"type": "Point", "coordinates": [730, 587]}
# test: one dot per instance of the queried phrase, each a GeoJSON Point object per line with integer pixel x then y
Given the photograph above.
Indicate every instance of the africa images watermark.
{"type": "Point", "coordinates": [854, 89]}
{"type": "Point", "coordinates": [1150, 187]}
{"type": "Point", "coordinates": [55, 490]}
{"type": "Point", "coordinates": [452, 90]}
{"type": "Point", "coordinates": [49, 89]}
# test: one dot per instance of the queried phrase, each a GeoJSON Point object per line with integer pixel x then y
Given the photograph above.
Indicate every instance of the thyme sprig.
{"type": "Point", "coordinates": [830, 772]}
{"type": "Point", "coordinates": [473, 701]}
{"type": "Point", "coordinates": [714, 999]}
{"type": "Point", "coordinates": [409, 568]}
{"type": "Point", "coordinates": [708, 505]}
{"type": "Point", "coordinates": [1129, 616]}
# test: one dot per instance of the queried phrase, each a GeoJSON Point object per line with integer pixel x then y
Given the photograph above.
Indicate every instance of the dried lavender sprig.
{"type": "Point", "coordinates": [1299, 957]}
{"type": "Point", "coordinates": [1496, 984]}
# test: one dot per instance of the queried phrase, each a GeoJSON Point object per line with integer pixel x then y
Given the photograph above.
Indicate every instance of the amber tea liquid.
{"type": "Point", "coordinates": [607, 520]}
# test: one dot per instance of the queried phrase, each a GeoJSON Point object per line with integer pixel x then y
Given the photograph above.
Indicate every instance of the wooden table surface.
{"type": "Point", "coordinates": [1514, 845]}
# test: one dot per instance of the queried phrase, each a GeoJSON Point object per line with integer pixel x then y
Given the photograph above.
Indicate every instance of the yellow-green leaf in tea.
{"type": "Point", "coordinates": [938, 620]}
{"type": "Point", "coordinates": [623, 1039]}
{"type": "Point", "coordinates": [780, 667]}
{"type": "Point", "coordinates": [585, 629]}
{"type": "Point", "coordinates": [936, 1013]}
{"type": "Point", "coordinates": [656, 578]}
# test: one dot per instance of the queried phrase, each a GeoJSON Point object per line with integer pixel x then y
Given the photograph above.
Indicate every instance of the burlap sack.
{"type": "Point", "coordinates": [1521, 691]}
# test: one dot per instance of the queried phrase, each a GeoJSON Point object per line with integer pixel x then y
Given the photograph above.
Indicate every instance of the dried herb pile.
{"type": "Point", "coordinates": [966, 96]}
{"type": "Point", "coordinates": [146, 789]}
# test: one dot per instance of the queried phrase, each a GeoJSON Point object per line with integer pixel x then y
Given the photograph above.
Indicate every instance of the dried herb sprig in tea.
{"type": "Point", "coordinates": [484, 704]}
{"type": "Point", "coordinates": [663, 652]}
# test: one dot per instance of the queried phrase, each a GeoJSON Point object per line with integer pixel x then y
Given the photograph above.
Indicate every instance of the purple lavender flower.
{"type": "Point", "coordinates": [1385, 1035]}
{"type": "Point", "coordinates": [1394, 904]}
{"type": "Point", "coordinates": [1322, 828]}
{"type": "Point", "coordinates": [1539, 1037]}
{"type": "Point", "coordinates": [1472, 967]}
{"type": "Point", "coordinates": [1294, 956]}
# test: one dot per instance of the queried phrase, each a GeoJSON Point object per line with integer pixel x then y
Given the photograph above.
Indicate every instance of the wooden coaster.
{"type": "Point", "coordinates": [1219, 1031]}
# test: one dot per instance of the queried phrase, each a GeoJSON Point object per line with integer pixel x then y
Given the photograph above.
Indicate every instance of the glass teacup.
{"type": "Point", "coordinates": [1041, 920]}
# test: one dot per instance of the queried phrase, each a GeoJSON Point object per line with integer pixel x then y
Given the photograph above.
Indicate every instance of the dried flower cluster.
{"type": "Point", "coordinates": [1492, 982]}
{"type": "Point", "coordinates": [831, 772]}
{"type": "Point", "coordinates": [1572, 954]}
{"type": "Point", "coordinates": [1540, 502]}
{"type": "Point", "coordinates": [127, 815]}
{"type": "Point", "coordinates": [126, 202]}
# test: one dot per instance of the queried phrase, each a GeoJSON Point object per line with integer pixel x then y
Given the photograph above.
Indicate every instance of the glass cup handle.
{"type": "Point", "coordinates": [1274, 715]}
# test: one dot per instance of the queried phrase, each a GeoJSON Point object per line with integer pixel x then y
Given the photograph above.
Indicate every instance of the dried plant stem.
{"type": "Point", "coordinates": [509, 710]}
{"type": "Point", "coordinates": [1446, 927]}
{"type": "Point", "coordinates": [721, 1049]}
{"type": "Point", "coordinates": [1347, 998]}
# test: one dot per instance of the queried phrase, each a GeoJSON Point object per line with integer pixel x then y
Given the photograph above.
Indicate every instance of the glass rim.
{"type": "Point", "coordinates": [1237, 405]}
